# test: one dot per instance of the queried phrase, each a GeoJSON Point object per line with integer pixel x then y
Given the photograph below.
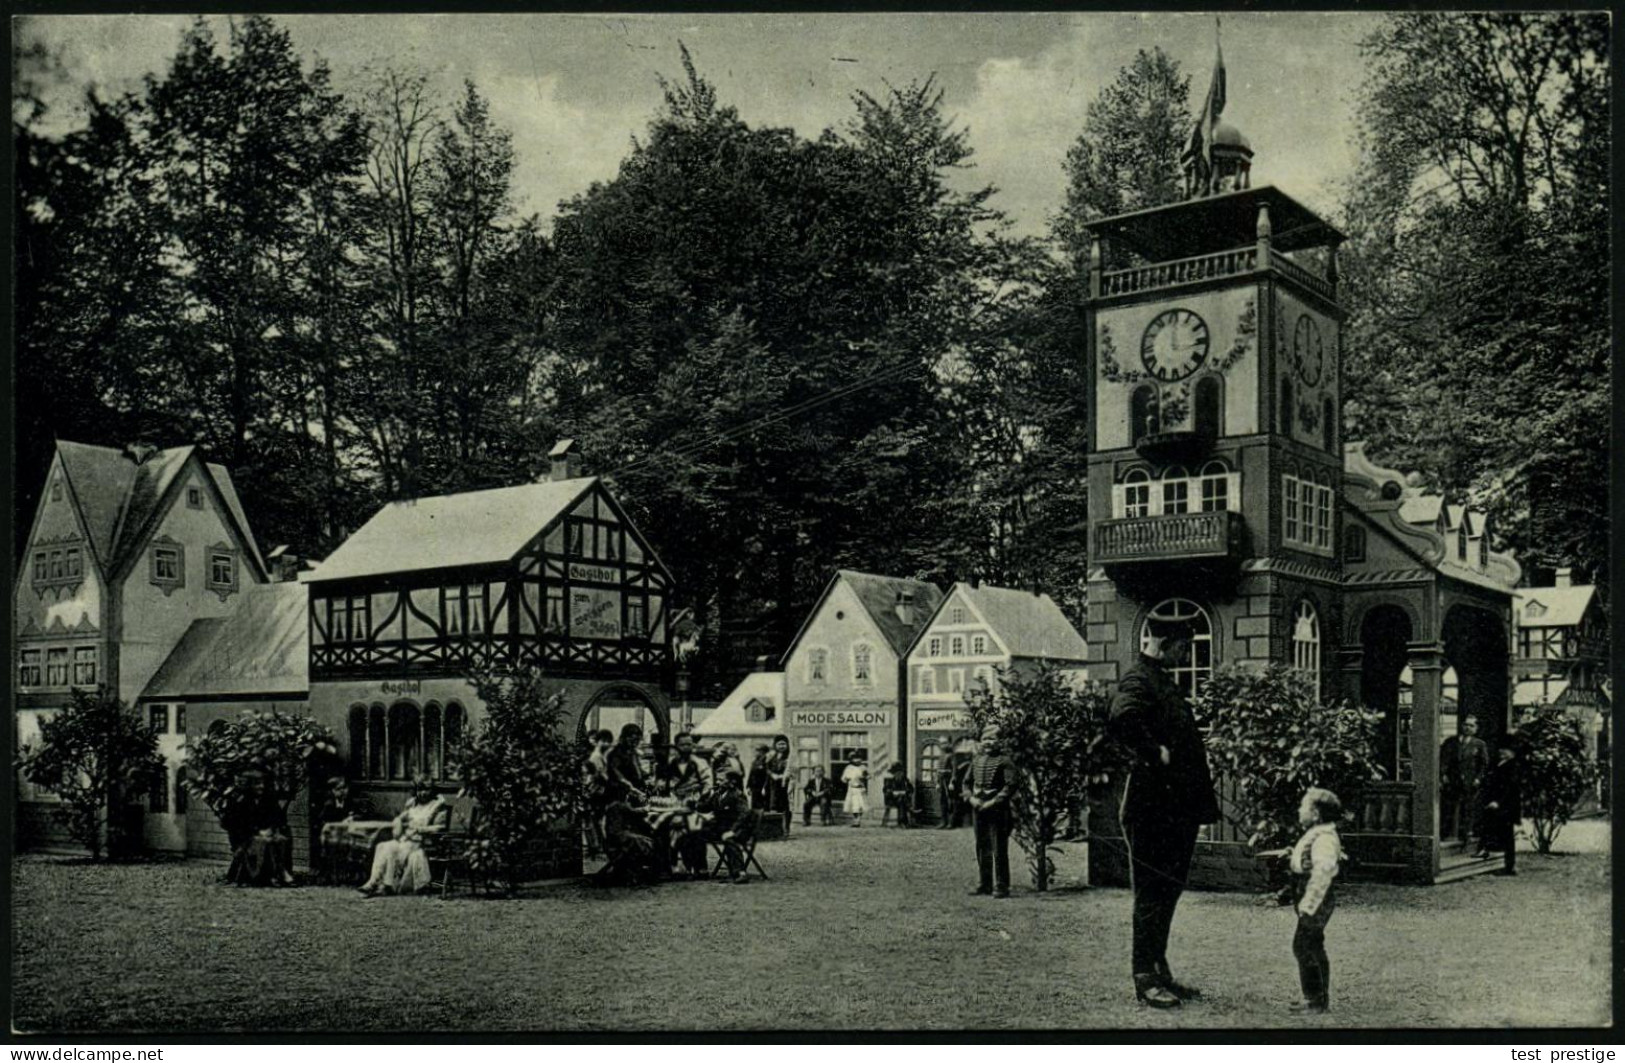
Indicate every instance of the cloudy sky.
{"type": "Point", "coordinates": [575, 88]}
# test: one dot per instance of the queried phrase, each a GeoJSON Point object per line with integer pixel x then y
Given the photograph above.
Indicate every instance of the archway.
{"type": "Point", "coordinates": [1385, 635]}
{"type": "Point", "coordinates": [1475, 644]}
{"type": "Point", "coordinates": [618, 704]}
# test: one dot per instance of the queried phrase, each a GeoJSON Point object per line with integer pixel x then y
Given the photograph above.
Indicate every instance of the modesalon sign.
{"type": "Point", "coordinates": [840, 718]}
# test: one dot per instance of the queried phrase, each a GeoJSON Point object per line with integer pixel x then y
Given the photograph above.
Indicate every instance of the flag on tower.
{"type": "Point", "coordinates": [1201, 143]}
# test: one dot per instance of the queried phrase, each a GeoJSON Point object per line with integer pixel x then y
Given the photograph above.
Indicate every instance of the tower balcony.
{"type": "Point", "coordinates": [1215, 535]}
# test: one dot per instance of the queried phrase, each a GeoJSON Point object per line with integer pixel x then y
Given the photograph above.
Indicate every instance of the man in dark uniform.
{"type": "Point", "coordinates": [1503, 806]}
{"type": "Point", "coordinates": [992, 784]}
{"type": "Point", "coordinates": [1168, 796]}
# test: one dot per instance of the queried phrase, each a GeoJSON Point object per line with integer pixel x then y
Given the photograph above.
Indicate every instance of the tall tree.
{"type": "Point", "coordinates": [1478, 272]}
{"type": "Point", "coordinates": [1127, 155]}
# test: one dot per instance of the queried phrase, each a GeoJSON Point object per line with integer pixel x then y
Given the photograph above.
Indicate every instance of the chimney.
{"type": "Point", "coordinates": [905, 607]}
{"type": "Point", "coordinates": [975, 581]}
{"type": "Point", "coordinates": [285, 565]}
{"type": "Point", "coordinates": [566, 459]}
{"type": "Point", "coordinates": [139, 452]}
{"type": "Point", "coordinates": [764, 663]}
{"type": "Point", "coordinates": [1565, 578]}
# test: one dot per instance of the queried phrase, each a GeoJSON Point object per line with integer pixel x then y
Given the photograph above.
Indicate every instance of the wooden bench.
{"type": "Point", "coordinates": [447, 850]}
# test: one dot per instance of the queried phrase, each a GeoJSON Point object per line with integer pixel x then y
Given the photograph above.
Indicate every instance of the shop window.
{"type": "Point", "coordinates": [843, 744]}
{"type": "Point", "coordinates": [930, 763]}
{"type": "Point", "coordinates": [862, 659]}
{"type": "Point", "coordinates": [1353, 543]}
{"type": "Point", "coordinates": [84, 666]}
{"type": "Point", "coordinates": [978, 644]}
{"type": "Point", "coordinates": [1208, 403]}
{"type": "Point", "coordinates": [1306, 643]}
{"type": "Point", "coordinates": [56, 667]}
{"type": "Point", "coordinates": [1142, 415]}
{"type": "Point", "coordinates": [817, 666]}
{"type": "Point", "coordinates": [1195, 672]}
{"type": "Point", "coordinates": [29, 671]}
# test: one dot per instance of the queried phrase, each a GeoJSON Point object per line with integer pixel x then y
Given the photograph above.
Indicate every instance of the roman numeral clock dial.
{"type": "Point", "coordinates": [1175, 345]}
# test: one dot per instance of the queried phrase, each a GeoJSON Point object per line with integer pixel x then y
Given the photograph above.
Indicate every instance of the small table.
{"type": "Point", "coordinates": [347, 846]}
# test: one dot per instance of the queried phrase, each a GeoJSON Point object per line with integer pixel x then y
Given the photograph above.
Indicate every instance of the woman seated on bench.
{"type": "Point", "coordinates": [401, 865]}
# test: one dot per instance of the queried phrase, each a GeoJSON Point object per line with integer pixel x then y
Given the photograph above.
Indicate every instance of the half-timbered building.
{"type": "Point", "coordinates": [551, 574]}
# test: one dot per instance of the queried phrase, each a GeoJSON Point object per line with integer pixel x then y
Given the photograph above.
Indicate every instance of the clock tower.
{"type": "Point", "coordinates": [1216, 458]}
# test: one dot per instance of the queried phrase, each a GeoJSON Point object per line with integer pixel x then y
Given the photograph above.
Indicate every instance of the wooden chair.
{"type": "Point", "coordinates": [745, 837]}
{"type": "Point", "coordinates": [447, 850]}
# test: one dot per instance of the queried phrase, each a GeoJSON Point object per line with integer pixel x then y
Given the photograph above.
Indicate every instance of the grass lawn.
{"type": "Point", "coordinates": [857, 929]}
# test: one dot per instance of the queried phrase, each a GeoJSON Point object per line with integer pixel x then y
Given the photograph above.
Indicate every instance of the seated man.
{"type": "Point", "coordinates": [629, 843]}
{"type": "Point", "coordinates": [725, 815]}
{"type": "Point", "coordinates": [816, 796]}
{"type": "Point", "coordinates": [401, 865]}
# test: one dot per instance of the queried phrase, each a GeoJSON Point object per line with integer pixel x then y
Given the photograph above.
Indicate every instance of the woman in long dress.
{"type": "Point", "coordinates": [856, 778]}
{"type": "Point", "coordinates": [400, 865]}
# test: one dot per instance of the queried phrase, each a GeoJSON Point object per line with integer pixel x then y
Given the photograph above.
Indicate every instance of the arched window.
{"type": "Point", "coordinates": [1215, 481]}
{"type": "Point", "coordinates": [405, 740]}
{"type": "Point", "coordinates": [1306, 643]}
{"type": "Point", "coordinates": [1328, 425]}
{"type": "Point", "coordinates": [358, 741]}
{"type": "Point", "coordinates": [1176, 490]}
{"type": "Point", "coordinates": [376, 732]}
{"type": "Point", "coordinates": [1142, 412]}
{"type": "Point", "coordinates": [1137, 493]}
{"type": "Point", "coordinates": [452, 727]}
{"type": "Point", "coordinates": [434, 749]}
{"type": "Point", "coordinates": [1191, 675]}
{"type": "Point", "coordinates": [1209, 404]}
{"type": "Point", "coordinates": [1286, 406]}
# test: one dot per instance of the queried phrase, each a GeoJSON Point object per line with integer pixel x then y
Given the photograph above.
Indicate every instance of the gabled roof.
{"type": "Point", "coordinates": [1559, 606]}
{"type": "Point", "coordinates": [730, 720]}
{"type": "Point", "coordinates": [119, 500]}
{"type": "Point", "coordinates": [879, 597]}
{"type": "Point", "coordinates": [1029, 625]}
{"type": "Point", "coordinates": [451, 531]}
{"type": "Point", "coordinates": [261, 648]}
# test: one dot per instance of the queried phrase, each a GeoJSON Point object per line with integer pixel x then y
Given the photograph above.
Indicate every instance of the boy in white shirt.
{"type": "Point", "coordinates": [1315, 860]}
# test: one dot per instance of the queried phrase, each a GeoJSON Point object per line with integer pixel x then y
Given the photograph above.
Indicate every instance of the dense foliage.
{"type": "Point", "coordinates": [523, 771]}
{"type": "Point", "coordinates": [290, 750]}
{"type": "Point", "coordinates": [1051, 728]}
{"type": "Point", "coordinates": [1554, 773]}
{"type": "Point", "coordinates": [1477, 271]}
{"type": "Point", "coordinates": [1269, 739]}
{"type": "Point", "coordinates": [97, 756]}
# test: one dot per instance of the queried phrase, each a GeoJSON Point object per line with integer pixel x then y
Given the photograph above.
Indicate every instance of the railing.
{"type": "Point", "coordinates": [1288, 268]}
{"type": "Point", "coordinates": [1180, 271]}
{"type": "Point", "coordinates": [1384, 808]}
{"type": "Point", "coordinates": [1182, 535]}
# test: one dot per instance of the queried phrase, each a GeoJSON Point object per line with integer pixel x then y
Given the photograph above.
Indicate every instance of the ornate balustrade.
{"type": "Point", "coordinates": [1383, 808]}
{"type": "Point", "coordinates": [1167, 538]}
{"type": "Point", "coordinates": [1180, 271]}
{"type": "Point", "coordinates": [1307, 278]}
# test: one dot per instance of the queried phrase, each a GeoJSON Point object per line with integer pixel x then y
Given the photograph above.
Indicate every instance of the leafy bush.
{"type": "Point", "coordinates": [1555, 773]}
{"type": "Point", "coordinates": [96, 756]}
{"type": "Point", "coordinates": [1270, 739]}
{"type": "Point", "coordinates": [1050, 729]}
{"type": "Point", "coordinates": [522, 770]}
{"type": "Point", "coordinates": [289, 749]}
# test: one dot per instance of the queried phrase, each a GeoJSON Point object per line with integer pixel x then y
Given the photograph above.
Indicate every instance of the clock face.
{"type": "Point", "coordinates": [1175, 345]}
{"type": "Point", "coordinates": [1308, 352]}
